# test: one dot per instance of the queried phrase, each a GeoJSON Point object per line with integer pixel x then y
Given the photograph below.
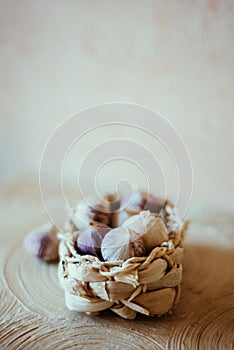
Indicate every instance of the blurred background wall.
{"type": "Point", "coordinates": [176, 57]}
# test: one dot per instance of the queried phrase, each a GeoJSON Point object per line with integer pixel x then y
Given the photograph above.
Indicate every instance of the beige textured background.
{"type": "Point", "coordinates": [57, 57]}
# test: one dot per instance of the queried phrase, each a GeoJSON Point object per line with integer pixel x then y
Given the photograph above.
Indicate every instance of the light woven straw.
{"type": "Point", "coordinates": [147, 285]}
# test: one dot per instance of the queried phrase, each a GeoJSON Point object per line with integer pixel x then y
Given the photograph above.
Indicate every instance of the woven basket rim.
{"type": "Point", "coordinates": [93, 276]}
{"type": "Point", "coordinates": [168, 245]}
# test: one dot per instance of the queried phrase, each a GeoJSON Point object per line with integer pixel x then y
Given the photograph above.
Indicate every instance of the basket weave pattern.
{"type": "Point", "coordinates": [147, 285]}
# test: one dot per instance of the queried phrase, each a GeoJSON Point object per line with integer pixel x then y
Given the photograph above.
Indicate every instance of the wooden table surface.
{"type": "Point", "coordinates": [33, 313]}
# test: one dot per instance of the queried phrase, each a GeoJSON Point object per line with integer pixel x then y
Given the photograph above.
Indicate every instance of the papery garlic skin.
{"type": "Point", "coordinates": [151, 203]}
{"type": "Point", "coordinates": [80, 220]}
{"type": "Point", "coordinates": [121, 244]}
{"type": "Point", "coordinates": [137, 245]}
{"type": "Point", "coordinates": [151, 228]}
{"type": "Point", "coordinates": [114, 202]}
{"type": "Point", "coordinates": [174, 219]}
{"type": "Point", "coordinates": [134, 202]}
{"type": "Point", "coordinates": [92, 209]}
{"type": "Point", "coordinates": [43, 243]}
{"type": "Point", "coordinates": [122, 217]}
{"type": "Point", "coordinates": [90, 238]}
{"type": "Point", "coordinates": [139, 222]}
{"type": "Point", "coordinates": [142, 201]}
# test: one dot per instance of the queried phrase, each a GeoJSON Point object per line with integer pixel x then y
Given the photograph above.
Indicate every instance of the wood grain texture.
{"type": "Point", "coordinates": [33, 313]}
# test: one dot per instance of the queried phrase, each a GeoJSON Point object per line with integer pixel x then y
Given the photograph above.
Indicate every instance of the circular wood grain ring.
{"type": "Point", "coordinates": [85, 336]}
{"type": "Point", "coordinates": [205, 314]}
{"type": "Point", "coordinates": [34, 283]}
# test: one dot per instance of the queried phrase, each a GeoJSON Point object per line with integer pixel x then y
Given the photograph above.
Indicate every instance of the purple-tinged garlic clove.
{"type": "Point", "coordinates": [43, 243]}
{"type": "Point", "coordinates": [121, 244]}
{"type": "Point", "coordinates": [90, 239]}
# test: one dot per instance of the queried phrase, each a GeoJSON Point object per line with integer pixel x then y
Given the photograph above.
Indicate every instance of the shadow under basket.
{"type": "Point", "coordinates": [147, 285]}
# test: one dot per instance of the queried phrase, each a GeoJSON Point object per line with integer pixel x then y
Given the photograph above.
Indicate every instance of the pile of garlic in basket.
{"type": "Point", "coordinates": [117, 254]}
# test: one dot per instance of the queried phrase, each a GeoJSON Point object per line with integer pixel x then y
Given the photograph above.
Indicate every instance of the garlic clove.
{"type": "Point", "coordinates": [121, 244]}
{"type": "Point", "coordinates": [43, 243]}
{"type": "Point", "coordinates": [90, 238]}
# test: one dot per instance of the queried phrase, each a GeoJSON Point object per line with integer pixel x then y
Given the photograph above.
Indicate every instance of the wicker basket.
{"type": "Point", "coordinates": [148, 285]}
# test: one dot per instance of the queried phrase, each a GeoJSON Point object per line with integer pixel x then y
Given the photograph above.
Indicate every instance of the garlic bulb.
{"type": "Point", "coordinates": [43, 243]}
{"type": "Point", "coordinates": [121, 244]}
{"type": "Point", "coordinates": [142, 201]}
{"type": "Point", "coordinates": [114, 205]}
{"type": "Point", "coordinates": [134, 202]}
{"type": "Point", "coordinates": [151, 228]}
{"type": "Point", "coordinates": [90, 238]}
{"type": "Point", "coordinates": [118, 218]}
{"type": "Point", "coordinates": [114, 202]}
{"type": "Point", "coordinates": [139, 222]}
{"type": "Point", "coordinates": [151, 203]}
{"type": "Point", "coordinates": [91, 209]}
